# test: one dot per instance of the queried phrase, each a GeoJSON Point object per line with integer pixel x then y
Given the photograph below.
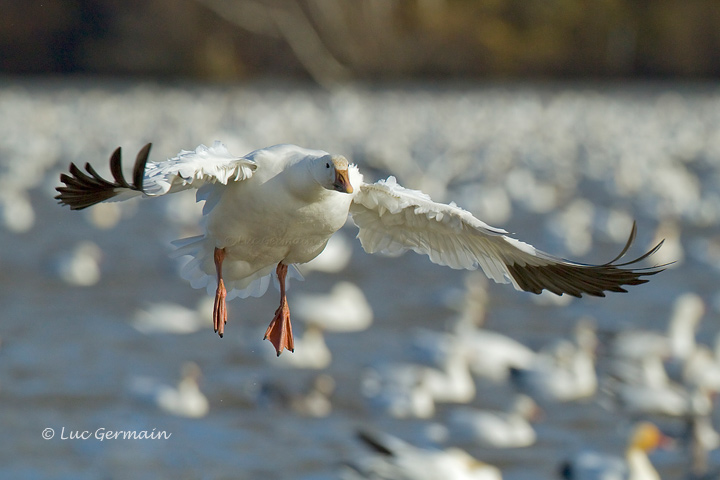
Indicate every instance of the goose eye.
{"type": "Point", "coordinates": [327, 165]}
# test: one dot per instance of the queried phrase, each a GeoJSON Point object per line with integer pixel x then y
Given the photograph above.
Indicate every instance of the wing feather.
{"type": "Point", "coordinates": [189, 169]}
{"type": "Point", "coordinates": [82, 190]}
{"type": "Point", "coordinates": [192, 169]}
{"type": "Point", "coordinates": [392, 219]}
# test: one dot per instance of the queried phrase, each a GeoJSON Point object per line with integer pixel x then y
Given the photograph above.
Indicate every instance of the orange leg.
{"type": "Point", "coordinates": [280, 331]}
{"type": "Point", "coordinates": [219, 308]}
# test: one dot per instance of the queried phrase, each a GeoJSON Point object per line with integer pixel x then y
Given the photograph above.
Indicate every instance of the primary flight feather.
{"type": "Point", "coordinates": [278, 206]}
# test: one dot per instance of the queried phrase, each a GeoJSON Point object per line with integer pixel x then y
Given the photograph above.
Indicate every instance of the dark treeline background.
{"type": "Point", "coordinates": [336, 40]}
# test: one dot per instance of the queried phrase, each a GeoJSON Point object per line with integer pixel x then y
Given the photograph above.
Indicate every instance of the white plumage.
{"type": "Point", "coordinates": [398, 460]}
{"type": "Point", "coordinates": [278, 206]}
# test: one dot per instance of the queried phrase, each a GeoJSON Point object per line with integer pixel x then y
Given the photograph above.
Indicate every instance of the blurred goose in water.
{"type": "Point", "coordinates": [671, 399]}
{"type": "Point", "coordinates": [488, 354]}
{"type": "Point", "coordinates": [643, 387]}
{"type": "Point", "coordinates": [677, 343]}
{"type": "Point", "coordinates": [166, 317]}
{"type": "Point", "coordinates": [79, 266]}
{"type": "Point", "coordinates": [278, 206]}
{"type": "Point", "coordinates": [344, 309]}
{"type": "Point", "coordinates": [398, 389]}
{"type": "Point", "coordinates": [563, 372]}
{"type": "Point", "coordinates": [411, 390]}
{"type": "Point", "coordinates": [635, 465]}
{"type": "Point", "coordinates": [312, 399]}
{"type": "Point", "coordinates": [702, 368]}
{"type": "Point", "coordinates": [493, 355]}
{"type": "Point", "coordinates": [396, 459]}
{"type": "Point", "coordinates": [185, 400]}
{"type": "Point", "coordinates": [489, 428]}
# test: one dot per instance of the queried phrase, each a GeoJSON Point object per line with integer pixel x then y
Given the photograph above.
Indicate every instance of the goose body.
{"type": "Point", "coordinates": [278, 206]}
{"type": "Point", "coordinates": [395, 459]}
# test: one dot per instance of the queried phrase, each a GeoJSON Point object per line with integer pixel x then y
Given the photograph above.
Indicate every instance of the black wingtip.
{"type": "Point", "coordinates": [82, 190]}
{"type": "Point", "coordinates": [139, 168]}
{"type": "Point", "coordinates": [578, 279]}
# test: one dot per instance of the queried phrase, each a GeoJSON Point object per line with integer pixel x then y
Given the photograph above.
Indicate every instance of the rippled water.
{"type": "Point", "coordinates": [565, 167]}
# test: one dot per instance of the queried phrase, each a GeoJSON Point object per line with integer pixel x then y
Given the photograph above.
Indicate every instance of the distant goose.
{"type": "Point", "coordinates": [167, 317]}
{"type": "Point", "coordinates": [671, 399]}
{"type": "Point", "coordinates": [312, 399]}
{"type": "Point", "coordinates": [500, 429]}
{"type": "Point", "coordinates": [678, 343]}
{"type": "Point", "coordinates": [493, 355]}
{"type": "Point", "coordinates": [344, 309]}
{"type": "Point", "coordinates": [279, 206]}
{"type": "Point", "coordinates": [396, 459]}
{"type": "Point", "coordinates": [563, 372]}
{"type": "Point", "coordinates": [411, 390]}
{"type": "Point", "coordinates": [80, 266]}
{"type": "Point", "coordinates": [398, 390]}
{"type": "Point", "coordinates": [185, 400]}
{"type": "Point", "coordinates": [635, 465]}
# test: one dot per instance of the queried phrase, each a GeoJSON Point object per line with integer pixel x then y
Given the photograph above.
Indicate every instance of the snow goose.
{"type": "Point", "coordinates": [564, 371]}
{"type": "Point", "coordinates": [185, 400]}
{"type": "Point", "coordinates": [278, 206]}
{"type": "Point", "coordinates": [344, 309]}
{"type": "Point", "coordinates": [311, 399]}
{"type": "Point", "coordinates": [167, 317]}
{"type": "Point", "coordinates": [493, 355]}
{"type": "Point", "coordinates": [677, 343]}
{"type": "Point", "coordinates": [593, 465]}
{"type": "Point", "coordinates": [642, 386]}
{"type": "Point", "coordinates": [672, 399]}
{"type": "Point", "coordinates": [411, 390]}
{"type": "Point", "coordinates": [399, 460]}
{"type": "Point", "coordinates": [488, 354]}
{"type": "Point", "coordinates": [702, 369]}
{"type": "Point", "coordinates": [499, 429]}
{"type": "Point", "coordinates": [80, 266]}
{"type": "Point", "coordinates": [398, 390]}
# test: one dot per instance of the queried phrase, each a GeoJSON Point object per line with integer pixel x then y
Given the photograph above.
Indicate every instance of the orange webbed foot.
{"type": "Point", "coordinates": [280, 330]}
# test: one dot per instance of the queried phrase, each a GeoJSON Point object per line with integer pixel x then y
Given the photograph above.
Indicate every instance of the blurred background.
{"type": "Point", "coordinates": [560, 121]}
{"type": "Point", "coordinates": [371, 40]}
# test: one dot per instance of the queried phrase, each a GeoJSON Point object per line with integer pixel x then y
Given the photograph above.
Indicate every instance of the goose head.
{"type": "Point", "coordinates": [332, 173]}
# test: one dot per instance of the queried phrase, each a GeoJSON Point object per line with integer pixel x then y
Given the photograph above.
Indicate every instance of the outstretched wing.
{"type": "Point", "coordinates": [189, 169]}
{"type": "Point", "coordinates": [393, 219]}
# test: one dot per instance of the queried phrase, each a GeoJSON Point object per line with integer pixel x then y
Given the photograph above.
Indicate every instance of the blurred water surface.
{"type": "Point", "coordinates": [565, 167]}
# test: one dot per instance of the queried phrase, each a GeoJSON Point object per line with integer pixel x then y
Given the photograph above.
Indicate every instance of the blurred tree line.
{"type": "Point", "coordinates": [336, 40]}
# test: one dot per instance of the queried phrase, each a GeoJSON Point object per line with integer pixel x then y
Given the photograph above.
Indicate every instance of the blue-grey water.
{"type": "Point", "coordinates": [564, 167]}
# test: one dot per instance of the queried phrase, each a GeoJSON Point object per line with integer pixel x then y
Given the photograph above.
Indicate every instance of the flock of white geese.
{"type": "Point", "coordinates": [647, 375]}
{"type": "Point", "coordinates": [650, 376]}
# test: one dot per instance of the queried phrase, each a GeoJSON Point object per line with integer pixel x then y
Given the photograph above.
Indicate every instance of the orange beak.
{"type": "Point", "coordinates": [342, 181]}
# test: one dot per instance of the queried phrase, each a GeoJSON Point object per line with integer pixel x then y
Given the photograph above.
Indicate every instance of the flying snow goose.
{"type": "Point", "coordinates": [278, 206]}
